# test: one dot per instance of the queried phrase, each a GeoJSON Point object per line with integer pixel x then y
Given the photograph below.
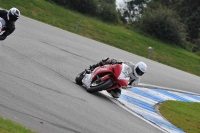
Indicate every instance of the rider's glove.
{"type": "Point", "coordinates": [104, 61]}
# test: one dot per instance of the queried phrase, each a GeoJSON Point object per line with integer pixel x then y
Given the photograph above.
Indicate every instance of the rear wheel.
{"type": "Point", "coordinates": [79, 78]}
{"type": "Point", "coordinates": [99, 85]}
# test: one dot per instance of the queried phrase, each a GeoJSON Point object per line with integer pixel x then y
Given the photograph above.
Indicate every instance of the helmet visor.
{"type": "Point", "coordinates": [139, 72]}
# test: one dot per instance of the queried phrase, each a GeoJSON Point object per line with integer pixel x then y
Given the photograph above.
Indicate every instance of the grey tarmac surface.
{"type": "Point", "coordinates": [38, 65]}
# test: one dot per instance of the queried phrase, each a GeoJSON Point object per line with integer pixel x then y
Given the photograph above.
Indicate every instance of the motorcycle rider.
{"type": "Point", "coordinates": [7, 21]}
{"type": "Point", "coordinates": [137, 69]}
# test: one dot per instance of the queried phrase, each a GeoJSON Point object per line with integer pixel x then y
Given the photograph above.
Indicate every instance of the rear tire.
{"type": "Point", "coordinates": [79, 78]}
{"type": "Point", "coordinates": [101, 86]}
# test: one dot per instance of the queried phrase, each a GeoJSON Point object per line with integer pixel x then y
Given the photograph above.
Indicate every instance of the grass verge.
{"type": "Point", "coordinates": [7, 126]}
{"type": "Point", "coordinates": [184, 115]}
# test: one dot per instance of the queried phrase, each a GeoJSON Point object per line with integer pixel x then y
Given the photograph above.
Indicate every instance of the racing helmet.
{"type": "Point", "coordinates": [13, 14]}
{"type": "Point", "coordinates": [139, 69]}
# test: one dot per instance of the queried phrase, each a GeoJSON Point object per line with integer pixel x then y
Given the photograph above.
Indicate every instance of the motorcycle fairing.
{"type": "Point", "coordinates": [120, 72]}
{"type": "Point", "coordinates": [102, 69]}
{"type": "Point", "coordinates": [87, 80]}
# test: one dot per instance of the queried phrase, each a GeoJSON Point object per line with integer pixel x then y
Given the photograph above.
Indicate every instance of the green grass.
{"type": "Point", "coordinates": [184, 115]}
{"type": "Point", "coordinates": [7, 126]}
{"type": "Point", "coordinates": [114, 35]}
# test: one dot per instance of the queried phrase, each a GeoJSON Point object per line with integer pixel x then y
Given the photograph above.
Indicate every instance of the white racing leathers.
{"type": "Point", "coordinates": [2, 23]}
{"type": "Point", "coordinates": [133, 79]}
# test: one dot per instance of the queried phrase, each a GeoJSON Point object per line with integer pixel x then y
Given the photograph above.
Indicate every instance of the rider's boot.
{"type": "Point", "coordinates": [115, 92]}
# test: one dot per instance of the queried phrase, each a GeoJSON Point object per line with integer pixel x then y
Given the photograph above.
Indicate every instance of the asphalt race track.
{"type": "Point", "coordinates": [38, 65]}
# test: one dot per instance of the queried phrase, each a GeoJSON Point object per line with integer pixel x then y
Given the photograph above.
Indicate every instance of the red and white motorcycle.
{"type": "Point", "coordinates": [105, 77]}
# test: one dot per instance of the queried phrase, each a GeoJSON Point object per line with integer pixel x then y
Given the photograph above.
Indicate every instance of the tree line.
{"type": "Point", "coordinates": [101, 9]}
{"type": "Point", "coordinates": [173, 21]}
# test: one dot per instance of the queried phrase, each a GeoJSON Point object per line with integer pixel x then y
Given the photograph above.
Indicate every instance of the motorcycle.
{"type": "Point", "coordinates": [105, 77]}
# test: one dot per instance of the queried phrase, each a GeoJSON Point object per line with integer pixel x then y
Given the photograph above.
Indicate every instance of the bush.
{"type": "Point", "coordinates": [108, 13]}
{"type": "Point", "coordinates": [163, 24]}
{"type": "Point", "coordinates": [101, 9]}
{"type": "Point", "coordinates": [196, 45]}
{"type": "Point", "coordinates": [85, 6]}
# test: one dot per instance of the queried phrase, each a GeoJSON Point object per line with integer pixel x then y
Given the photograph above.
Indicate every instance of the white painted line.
{"type": "Point", "coordinates": [186, 97]}
{"type": "Point", "coordinates": [139, 97]}
{"type": "Point", "coordinates": [160, 95]}
{"type": "Point", "coordinates": [130, 111]}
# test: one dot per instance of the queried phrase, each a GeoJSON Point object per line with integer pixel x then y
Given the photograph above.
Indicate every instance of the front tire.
{"type": "Point", "coordinates": [79, 78]}
{"type": "Point", "coordinates": [95, 87]}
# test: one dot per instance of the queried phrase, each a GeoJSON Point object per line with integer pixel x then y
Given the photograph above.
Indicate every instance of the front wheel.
{"type": "Point", "coordinates": [99, 86]}
{"type": "Point", "coordinates": [79, 78]}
